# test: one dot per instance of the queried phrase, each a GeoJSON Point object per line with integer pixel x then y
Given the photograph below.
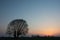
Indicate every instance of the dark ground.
{"type": "Point", "coordinates": [30, 38]}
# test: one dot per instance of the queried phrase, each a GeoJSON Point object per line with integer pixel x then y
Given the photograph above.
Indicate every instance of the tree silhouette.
{"type": "Point", "coordinates": [17, 27]}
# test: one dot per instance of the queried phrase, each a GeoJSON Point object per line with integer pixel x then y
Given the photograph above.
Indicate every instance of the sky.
{"type": "Point", "coordinates": [42, 16]}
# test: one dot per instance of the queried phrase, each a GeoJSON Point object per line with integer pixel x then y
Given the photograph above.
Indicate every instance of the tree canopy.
{"type": "Point", "coordinates": [17, 27]}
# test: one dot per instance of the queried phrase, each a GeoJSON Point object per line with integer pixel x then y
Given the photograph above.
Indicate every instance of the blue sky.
{"type": "Point", "coordinates": [39, 14]}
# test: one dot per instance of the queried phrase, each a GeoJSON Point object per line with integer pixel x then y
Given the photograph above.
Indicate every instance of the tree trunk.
{"type": "Point", "coordinates": [14, 33]}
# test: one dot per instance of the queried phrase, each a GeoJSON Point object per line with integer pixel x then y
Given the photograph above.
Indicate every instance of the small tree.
{"type": "Point", "coordinates": [17, 27]}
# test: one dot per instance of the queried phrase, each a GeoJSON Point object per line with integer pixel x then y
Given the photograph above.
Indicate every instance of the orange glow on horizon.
{"type": "Point", "coordinates": [46, 32]}
{"type": "Point", "coordinates": [49, 31]}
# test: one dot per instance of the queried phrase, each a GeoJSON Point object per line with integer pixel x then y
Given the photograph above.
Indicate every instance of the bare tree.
{"type": "Point", "coordinates": [17, 27]}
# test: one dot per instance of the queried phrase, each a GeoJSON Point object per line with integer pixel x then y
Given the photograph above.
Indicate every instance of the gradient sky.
{"type": "Point", "coordinates": [42, 16]}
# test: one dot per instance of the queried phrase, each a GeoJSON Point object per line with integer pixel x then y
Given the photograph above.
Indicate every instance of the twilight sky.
{"type": "Point", "coordinates": [42, 16]}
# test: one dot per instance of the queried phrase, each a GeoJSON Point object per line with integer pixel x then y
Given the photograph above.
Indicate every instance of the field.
{"type": "Point", "coordinates": [30, 38]}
